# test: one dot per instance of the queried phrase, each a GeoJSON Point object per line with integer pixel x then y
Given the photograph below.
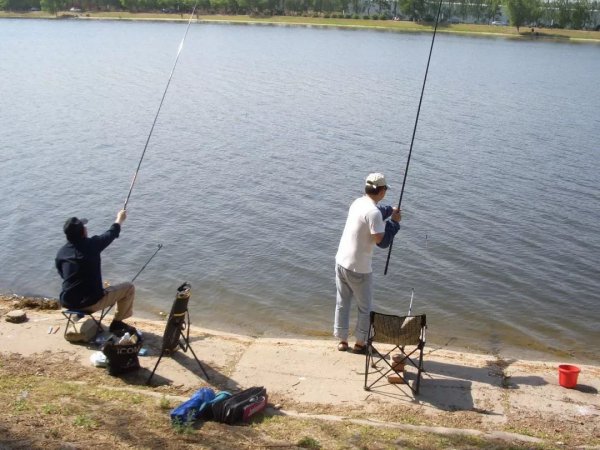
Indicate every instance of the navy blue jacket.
{"type": "Point", "coordinates": [79, 265]}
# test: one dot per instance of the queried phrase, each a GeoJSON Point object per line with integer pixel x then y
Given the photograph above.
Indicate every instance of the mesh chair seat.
{"type": "Point", "coordinates": [407, 336]}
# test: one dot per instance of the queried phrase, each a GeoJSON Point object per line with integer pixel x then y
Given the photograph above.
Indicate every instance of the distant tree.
{"type": "Point", "coordinates": [548, 15]}
{"type": "Point", "coordinates": [293, 6]}
{"type": "Point", "coordinates": [492, 10]}
{"type": "Point", "coordinates": [477, 10]}
{"type": "Point", "coordinates": [581, 14]}
{"type": "Point", "coordinates": [343, 5]}
{"type": "Point", "coordinates": [330, 6]}
{"type": "Point", "coordinates": [147, 5]}
{"type": "Point", "coordinates": [415, 9]}
{"type": "Point", "coordinates": [595, 19]}
{"type": "Point", "coordinates": [219, 6]}
{"type": "Point", "coordinates": [563, 13]}
{"type": "Point", "coordinates": [17, 5]}
{"type": "Point", "coordinates": [253, 6]}
{"type": "Point", "coordinates": [383, 5]}
{"type": "Point", "coordinates": [448, 9]}
{"type": "Point", "coordinates": [522, 12]}
{"type": "Point", "coordinates": [53, 6]}
{"type": "Point", "coordinates": [225, 6]}
{"type": "Point", "coordinates": [130, 5]}
{"type": "Point", "coordinates": [464, 10]}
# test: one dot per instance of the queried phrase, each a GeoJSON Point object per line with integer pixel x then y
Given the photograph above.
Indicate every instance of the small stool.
{"type": "Point", "coordinates": [73, 315]}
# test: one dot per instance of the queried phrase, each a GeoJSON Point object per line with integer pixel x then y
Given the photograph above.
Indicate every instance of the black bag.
{"type": "Point", "coordinates": [121, 358]}
{"type": "Point", "coordinates": [240, 407]}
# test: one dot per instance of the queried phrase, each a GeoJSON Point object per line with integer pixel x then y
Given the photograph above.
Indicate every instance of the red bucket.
{"type": "Point", "coordinates": [567, 375]}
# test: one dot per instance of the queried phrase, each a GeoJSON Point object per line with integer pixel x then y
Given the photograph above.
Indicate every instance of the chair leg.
{"type": "Point", "coordinates": [367, 359]}
{"type": "Point", "coordinates": [419, 370]}
{"type": "Point", "coordinates": [70, 323]}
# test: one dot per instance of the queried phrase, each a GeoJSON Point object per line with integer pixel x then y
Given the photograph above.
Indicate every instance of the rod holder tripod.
{"type": "Point", "coordinates": [177, 331]}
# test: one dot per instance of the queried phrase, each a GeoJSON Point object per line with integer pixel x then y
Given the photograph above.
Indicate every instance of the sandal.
{"type": "Point", "coordinates": [359, 349]}
{"type": "Point", "coordinates": [343, 346]}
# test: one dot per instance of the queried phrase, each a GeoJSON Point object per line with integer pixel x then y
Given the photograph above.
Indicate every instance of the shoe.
{"type": "Point", "coordinates": [116, 325]}
{"type": "Point", "coordinates": [359, 349]}
{"type": "Point", "coordinates": [120, 328]}
{"type": "Point", "coordinates": [342, 346]}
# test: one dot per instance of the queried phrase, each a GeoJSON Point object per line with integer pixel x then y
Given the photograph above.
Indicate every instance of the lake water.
{"type": "Point", "coordinates": [263, 141]}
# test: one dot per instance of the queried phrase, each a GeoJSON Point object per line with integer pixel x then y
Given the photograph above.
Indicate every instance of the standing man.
{"type": "Point", "coordinates": [366, 226]}
{"type": "Point", "coordinates": [79, 265]}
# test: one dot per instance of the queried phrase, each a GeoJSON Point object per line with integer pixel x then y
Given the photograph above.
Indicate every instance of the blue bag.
{"type": "Point", "coordinates": [193, 408]}
{"type": "Point", "coordinates": [207, 412]}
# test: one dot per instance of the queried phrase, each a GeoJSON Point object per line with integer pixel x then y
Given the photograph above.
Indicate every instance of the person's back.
{"type": "Point", "coordinates": [79, 264]}
{"type": "Point", "coordinates": [356, 244]}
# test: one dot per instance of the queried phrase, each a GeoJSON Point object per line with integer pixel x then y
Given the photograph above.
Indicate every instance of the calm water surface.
{"type": "Point", "coordinates": [264, 140]}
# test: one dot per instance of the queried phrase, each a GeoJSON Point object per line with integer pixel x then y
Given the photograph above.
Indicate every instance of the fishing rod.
{"type": "Point", "coordinates": [160, 105]}
{"type": "Point", "coordinates": [437, 18]}
{"type": "Point", "coordinates": [412, 294]}
{"type": "Point", "coordinates": [147, 262]}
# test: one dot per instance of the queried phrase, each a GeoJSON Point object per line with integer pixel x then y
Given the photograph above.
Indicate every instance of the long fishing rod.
{"type": "Point", "coordinates": [437, 18]}
{"type": "Point", "coordinates": [160, 105]}
{"type": "Point", "coordinates": [147, 262]}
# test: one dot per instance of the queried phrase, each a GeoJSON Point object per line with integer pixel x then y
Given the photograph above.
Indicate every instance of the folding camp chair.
{"type": "Point", "coordinates": [407, 336]}
{"type": "Point", "coordinates": [178, 322]}
{"type": "Point", "coordinates": [74, 315]}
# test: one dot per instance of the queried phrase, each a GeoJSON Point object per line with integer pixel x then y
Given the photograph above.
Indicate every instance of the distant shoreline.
{"type": "Point", "coordinates": [543, 34]}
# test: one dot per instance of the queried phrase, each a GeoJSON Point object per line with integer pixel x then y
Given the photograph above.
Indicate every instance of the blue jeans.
{"type": "Point", "coordinates": [352, 285]}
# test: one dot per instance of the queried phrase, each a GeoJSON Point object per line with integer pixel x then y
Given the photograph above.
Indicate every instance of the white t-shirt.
{"type": "Point", "coordinates": [356, 245]}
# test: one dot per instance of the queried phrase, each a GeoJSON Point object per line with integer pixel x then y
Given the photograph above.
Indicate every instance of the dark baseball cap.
{"type": "Point", "coordinates": [74, 227]}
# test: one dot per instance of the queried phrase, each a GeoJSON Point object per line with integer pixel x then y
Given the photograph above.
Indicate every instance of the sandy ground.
{"type": "Point", "coordinates": [310, 377]}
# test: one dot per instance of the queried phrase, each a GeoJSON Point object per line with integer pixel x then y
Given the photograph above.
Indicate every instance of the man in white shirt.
{"type": "Point", "coordinates": [366, 226]}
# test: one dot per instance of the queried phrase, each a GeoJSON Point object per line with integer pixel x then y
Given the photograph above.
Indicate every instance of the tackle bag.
{"type": "Point", "coordinates": [122, 358]}
{"type": "Point", "coordinates": [240, 407]}
{"type": "Point", "coordinates": [199, 406]}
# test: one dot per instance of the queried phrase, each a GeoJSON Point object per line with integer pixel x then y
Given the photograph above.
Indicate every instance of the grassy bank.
{"type": "Point", "coordinates": [387, 25]}
{"type": "Point", "coordinates": [52, 398]}
{"type": "Point", "coordinates": [52, 402]}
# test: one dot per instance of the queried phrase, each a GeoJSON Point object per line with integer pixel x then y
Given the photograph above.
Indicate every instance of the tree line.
{"type": "Point", "coordinates": [573, 14]}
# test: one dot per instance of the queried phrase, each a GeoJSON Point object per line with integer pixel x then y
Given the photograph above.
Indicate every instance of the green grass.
{"type": "Point", "coordinates": [85, 422]}
{"type": "Point", "coordinates": [309, 442]}
{"type": "Point", "coordinates": [164, 403]}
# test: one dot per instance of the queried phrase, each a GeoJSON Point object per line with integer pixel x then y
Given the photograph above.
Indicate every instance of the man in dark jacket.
{"type": "Point", "coordinates": [79, 265]}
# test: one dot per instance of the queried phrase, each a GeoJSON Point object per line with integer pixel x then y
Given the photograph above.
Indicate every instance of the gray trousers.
{"type": "Point", "coordinates": [360, 287]}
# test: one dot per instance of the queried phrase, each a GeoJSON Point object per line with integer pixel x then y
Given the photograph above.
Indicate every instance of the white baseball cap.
{"type": "Point", "coordinates": [376, 180]}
